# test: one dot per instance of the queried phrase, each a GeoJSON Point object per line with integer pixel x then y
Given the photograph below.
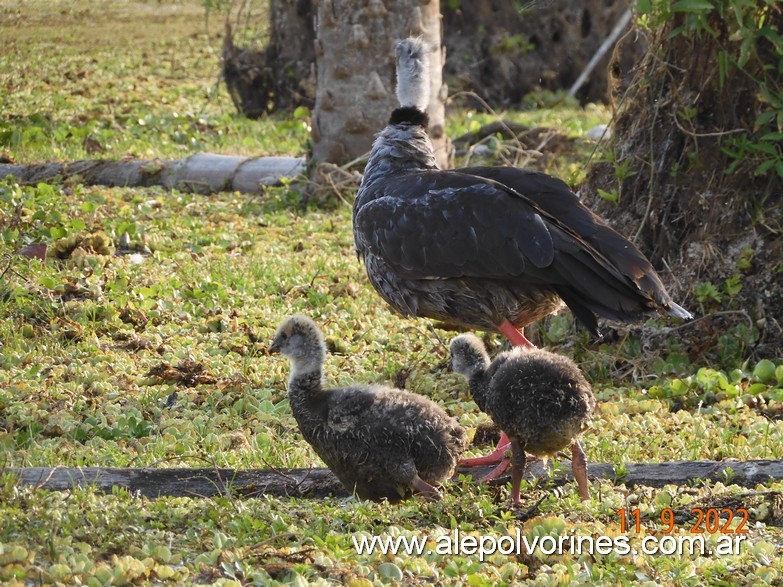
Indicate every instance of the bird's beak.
{"type": "Point", "coordinates": [274, 347]}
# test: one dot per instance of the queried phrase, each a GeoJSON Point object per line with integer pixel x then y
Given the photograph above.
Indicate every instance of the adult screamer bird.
{"type": "Point", "coordinates": [486, 248]}
{"type": "Point", "coordinates": [539, 399]}
{"type": "Point", "coordinates": [380, 442]}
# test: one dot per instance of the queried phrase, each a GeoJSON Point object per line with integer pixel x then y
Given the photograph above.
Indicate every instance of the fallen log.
{"type": "Point", "coordinates": [319, 482]}
{"type": "Point", "coordinates": [201, 172]}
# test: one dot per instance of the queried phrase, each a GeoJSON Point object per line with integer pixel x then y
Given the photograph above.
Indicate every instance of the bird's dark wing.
{"type": "Point", "coordinates": [507, 224]}
{"type": "Point", "coordinates": [368, 418]}
{"type": "Point", "coordinates": [444, 224]}
{"type": "Point", "coordinates": [557, 203]}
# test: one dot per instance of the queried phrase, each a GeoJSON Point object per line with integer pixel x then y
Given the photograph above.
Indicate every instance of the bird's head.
{"type": "Point", "coordinates": [413, 73]}
{"type": "Point", "coordinates": [468, 355]}
{"type": "Point", "coordinates": [300, 339]}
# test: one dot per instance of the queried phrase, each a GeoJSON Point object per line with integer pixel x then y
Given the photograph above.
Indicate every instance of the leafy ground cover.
{"type": "Point", "coordinates": [157, 356]}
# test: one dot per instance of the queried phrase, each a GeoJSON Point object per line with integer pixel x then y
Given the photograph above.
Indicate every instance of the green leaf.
{"type": "Point", "coordinates": [764, 371]}
{"type": "Point", "coordinates": [612, 196]}
{"type": "Point", "coordinates": [764, 167]}
{"type": "Point", "coordinates": [88, 207]}
{"type": "Point", "coordinates": [764, 148]}
{"type": "Point", "coordinates": [692, 6]}
{"type": "Point", "coordinates": [732, 285]}
{"type": "Point", "coordinates": [390, 571]}
{"type": "Point", "coordinates": [77, 224]}
{"type": "Point", "coordinates": [644, 6]}
{"type": "Point", "coordinates": [48, 282]}
{"type": "Point", "coordinates": [765, 117]}
{"type": "Point", "coordinates": [57, 232]}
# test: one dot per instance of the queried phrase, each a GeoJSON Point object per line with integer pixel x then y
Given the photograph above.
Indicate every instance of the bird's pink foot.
{"type": "Point", "coordinates": [421, 487]}
{"type": "Point", "coordinates": [495, 457]}
{"type": "Point", "coordinates": [579, 468]}
{"type": "Point", "coordinates": [514, 335]}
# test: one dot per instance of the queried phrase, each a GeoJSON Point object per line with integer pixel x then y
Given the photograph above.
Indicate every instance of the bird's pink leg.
{"type": "Point", "coordinates": [518, 461]}
{"type": "Point", "coordinates": [579, 468]}
{"type": "Point", "coordinates": [514, 335]}
{"type": "Point", "coordinates": [497, 471]}
{"type": "Point", "coordinates": [497, 455]}
{"type": "Point", "coordinates": [424, 489]}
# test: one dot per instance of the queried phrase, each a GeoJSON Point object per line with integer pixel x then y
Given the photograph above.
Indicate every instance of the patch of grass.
{"type": "Point", "coordinates": [141, 79]}
{"type": "Point", "coordinates": [159, 358]}
{"type": "Point", "coordinates": [564, 117]}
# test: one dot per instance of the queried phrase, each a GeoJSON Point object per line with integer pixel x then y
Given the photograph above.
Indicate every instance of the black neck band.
{"type": "Point", "coordinates": [410, 115]}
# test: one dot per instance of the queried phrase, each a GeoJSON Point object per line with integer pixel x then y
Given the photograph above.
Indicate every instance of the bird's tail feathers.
{"type": "Point", "coordinates": [679, 312]}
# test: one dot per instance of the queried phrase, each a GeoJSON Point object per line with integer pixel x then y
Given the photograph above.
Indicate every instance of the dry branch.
{"type": "Point", "coordinates": [318, 483]}
{"type": "Point", "coordinates": [202, 172]}
{"type": "Point", "coordinates": [608, 44]}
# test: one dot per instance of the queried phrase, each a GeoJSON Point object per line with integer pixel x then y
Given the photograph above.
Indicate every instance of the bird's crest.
{"type": "Point", "coordinates": [413, 75]}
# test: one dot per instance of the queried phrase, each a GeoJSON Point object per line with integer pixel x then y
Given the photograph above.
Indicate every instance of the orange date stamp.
{"type": "Point", "coordinates": [707, 521]}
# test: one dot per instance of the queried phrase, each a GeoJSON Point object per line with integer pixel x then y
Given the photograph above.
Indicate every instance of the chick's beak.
{"type": "Point", "coordinates": [275, 346]}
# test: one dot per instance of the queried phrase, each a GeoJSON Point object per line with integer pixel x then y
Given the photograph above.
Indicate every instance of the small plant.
{"type": "Point", "coordinates": [517, 44]}
{"type": "Point", "coordinates": [623, 170]}
{"type": "Point", "coordinates": [728, 475]}
{"type": "Point", "coordinates": [621, 471]}
{"type": "Point", "coordinates": [706, 292]}
{"type": "Point", "coordinates": [751, 45]}
{"type": "Point", "coordinates": [610, 195]}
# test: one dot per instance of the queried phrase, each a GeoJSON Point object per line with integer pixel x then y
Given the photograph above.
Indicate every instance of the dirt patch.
{"type": "Point", "coordinates": [540, 45]}
{"type": "Point", "coordinates": [187, 373]}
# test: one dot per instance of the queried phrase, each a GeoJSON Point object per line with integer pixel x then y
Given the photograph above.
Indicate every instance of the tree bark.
{"type": "Point", "coordinates": [281, 76]}
{"type": "Point", "coordinates": [202, 172]}
{"type": "Point", "coordinates": [320, 482]}
{"type": "Point", "coordinates": [539, 45]}
{"type": "Point", "coordinates": [685, 179]}
{"type": "Point", "coordinates": [355, 65]}
{"type": "Point", "coordinates": [497, 49]}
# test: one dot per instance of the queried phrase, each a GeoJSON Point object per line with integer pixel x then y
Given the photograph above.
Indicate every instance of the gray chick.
{"type": "Point", "coordinates": [541, 400]}
{"type": "Point", "coordinates": [380, 442]}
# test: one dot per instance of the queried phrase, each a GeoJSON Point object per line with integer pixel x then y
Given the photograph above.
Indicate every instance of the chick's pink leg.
{"type": "Point", "coordinates": [579, 468]}
{"type": "Point", "coordinates": [499, 454]}
{"type": "Point", "coordinates": [518, 462]}
{"type": "Point", "coordinates": [495, 457]}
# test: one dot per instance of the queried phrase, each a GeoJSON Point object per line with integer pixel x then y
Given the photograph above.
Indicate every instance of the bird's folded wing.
{"type": "Point", "coordinates": [590, 234]}
{"type": "Point", "coordinates": [441, 225]}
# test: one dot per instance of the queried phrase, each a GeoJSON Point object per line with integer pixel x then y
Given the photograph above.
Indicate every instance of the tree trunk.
{"type": "Point", "coordinates": [502, 51]}
{"type": "Point", "coordinates": [317, 483]}
{"type": "Point", "coordinates": [697, 175]}
{"type": "Point", "coordinates": [201, 173]}
{"type": "Point", "coordinates": [282, 75]}
{"type": "Point", "coordinates": [496, 48]}
{"type": "Point", "coordinates": [354, 54]}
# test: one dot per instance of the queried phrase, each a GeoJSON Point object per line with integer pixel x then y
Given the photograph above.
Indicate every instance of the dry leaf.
{"type": "Point", "coordinates": [34, 251]}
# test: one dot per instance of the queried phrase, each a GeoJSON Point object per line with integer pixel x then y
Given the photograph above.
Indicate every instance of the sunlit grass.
{"type": "Point", "coordinates": [91, 345]}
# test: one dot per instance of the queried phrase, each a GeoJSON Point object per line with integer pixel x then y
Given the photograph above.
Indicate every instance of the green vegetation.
{"type": "Point", "coordinates": [750, 45]}
{"type": "Point", "coordinates": [95, 344]}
